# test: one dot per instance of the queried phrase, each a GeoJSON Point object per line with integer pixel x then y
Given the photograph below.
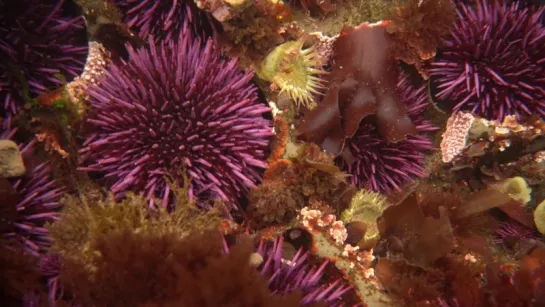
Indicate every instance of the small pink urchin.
{"type": "Point", "coordinates": [177, 106]}
{"type": "Point", "coordinates": [378, 165]}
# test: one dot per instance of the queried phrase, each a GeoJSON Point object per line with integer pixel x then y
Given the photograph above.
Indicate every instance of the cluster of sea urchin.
{"type": "Point", "coordinates": [379, 165]}
{"type": "Point", "coordinates": [492, 63]}
{"type": "Point", "coordinates": [38, 201]}
{"type": "Point", "coordinates": [177, 106]}
{"type": "Point", "coordinates": [165, 19]}
{"type": "Point", "coordinates": [40, 49]}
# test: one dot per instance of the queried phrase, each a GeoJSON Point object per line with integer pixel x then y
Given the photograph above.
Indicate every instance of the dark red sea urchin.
{"type": "Point", "coordinates": [176, 106]}
{"type": "Point", "coordinates": [166, 19]}
{"type": "Point", "coordinates": [38, 200]}
{"type": "Point", "coordinates": [378, 165]}
{"type": "Point", "coordinates": [37, 44]}
{"type": "Point", "coordinates": [492, 63]}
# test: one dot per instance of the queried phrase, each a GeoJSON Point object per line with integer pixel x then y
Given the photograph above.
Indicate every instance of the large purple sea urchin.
{"type": "Point", "coordinates": [38, 200]}
{"type": "Point", "coordinates": [37, 44]}
{"type": "Point", "coordinates": [378, 165]}
{"type": "Point", "coordinates": [295, 274]}
{"type": "Point", "coordinates": [165, 19]}
{"type": "Point", "coordinates": [492, 63]}
{"type": "Point", "coordinates": [177, 106]}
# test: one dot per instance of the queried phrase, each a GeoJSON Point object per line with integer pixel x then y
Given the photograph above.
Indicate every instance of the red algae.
{"type": "Point", "coordinates": [363, 82]}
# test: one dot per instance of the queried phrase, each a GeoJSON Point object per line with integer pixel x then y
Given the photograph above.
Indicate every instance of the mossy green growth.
{"type": "Point", "coordinates": [366, 206]}
{"type": "Point", "coordinates": [65, 110]}
{"type": "Point", "coordinates": [57, 103]}
{"type": "Point", "coordinates": [83, 221]}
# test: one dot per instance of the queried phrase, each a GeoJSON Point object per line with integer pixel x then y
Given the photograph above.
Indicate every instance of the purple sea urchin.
{"type": "Point", "coordinates": [38, 201]}
{"type": "Point", "coordinates": [172, 106]}
{"type": "Point", "coordinates": [50, 266]}
{"type": "Point", "coordinates": [492, 62]}
{"type": "Point", "coordinates": [38, 45]}
{"type": "Point", "coordinates": [378, 165]}
{"type": "Point", "coordinates": [512, 231]}
{"type": "Point", "coordinates": [164, 19]}
{"type": "Point", "coordinates": [288, 275]}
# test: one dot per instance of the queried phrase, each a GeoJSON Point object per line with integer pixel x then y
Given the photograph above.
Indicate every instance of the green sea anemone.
{"type": "Point", "coordinates": [295, 71]}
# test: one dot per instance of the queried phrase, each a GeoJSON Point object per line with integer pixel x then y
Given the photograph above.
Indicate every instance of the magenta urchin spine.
{"type": "Point", "coordinates": [512, 230]}
{"type": "Point", "coordinates": [288, 275]}
{"type": "Point", "coordinates": [177, 106]}
{"type": "Point", "coordinates": [50, 267]}
{"type": "Point", "coordinates": [492, 63]}
{"type": "Point", "coordinates": [381, 166]}
{"type": "Point", "coordinates": [38, 203]}
{"type": "Point", "coordinates": [166, 19]}
{"type": "Point", "coordinates": [378, 165]}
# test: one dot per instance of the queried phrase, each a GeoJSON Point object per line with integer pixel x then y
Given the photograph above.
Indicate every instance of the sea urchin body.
{"type": "Point", "coordinates": [492, 63]}
{"type": "Point", "coordinates": [380, 166]}
{"type": "Point", "coordinates": [177, 106]}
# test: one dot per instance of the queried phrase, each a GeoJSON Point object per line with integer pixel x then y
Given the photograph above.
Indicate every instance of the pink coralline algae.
{"type": "Point", "coordinates": [177, 107]}
{"type": "Point", "coordinates": [38, 202]}
{"type": "Point", "coordinates": [379, 165]}
{"type": "Point", "coordinates": [456, 135]}
{"type": "Point", "coordinates": [492, 63]}
{"type": "Point", "coordinates": [38, 45]}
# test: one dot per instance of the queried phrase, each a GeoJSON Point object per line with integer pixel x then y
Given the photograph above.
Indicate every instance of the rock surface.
{"type": "Point", "coordinates": [11, 161]}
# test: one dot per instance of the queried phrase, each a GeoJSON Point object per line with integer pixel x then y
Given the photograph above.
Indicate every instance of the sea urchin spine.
{"type": "Point", "coordinates": [164, 19]}
{"type": "Point", "coordinates": [38, 44]}
{"type": "Point", "coordinates": [38, 201]}
{"type": "Point", "coordinates": [288, 275]}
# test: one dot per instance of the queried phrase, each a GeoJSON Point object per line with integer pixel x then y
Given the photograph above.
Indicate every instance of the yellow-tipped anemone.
{"type": "Point", "coordinates": [296, 71]}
